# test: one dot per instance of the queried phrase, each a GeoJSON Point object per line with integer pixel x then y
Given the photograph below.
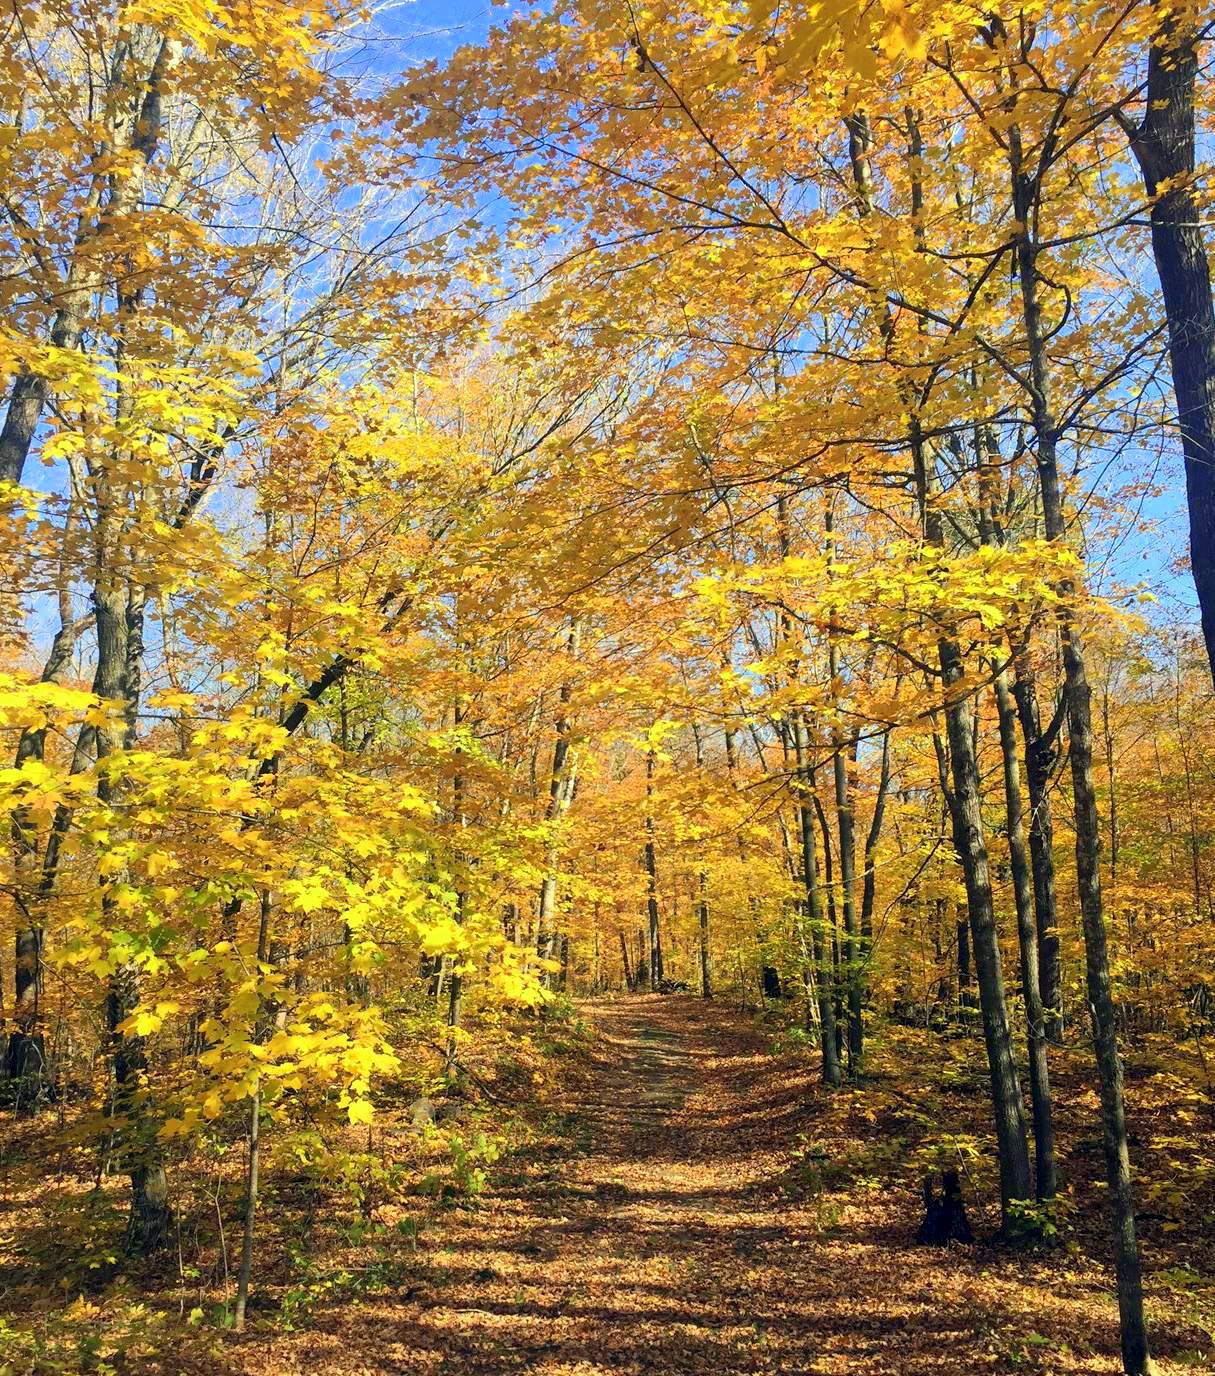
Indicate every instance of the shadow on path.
{"type": "Point", "coordinates": [662, 1242]}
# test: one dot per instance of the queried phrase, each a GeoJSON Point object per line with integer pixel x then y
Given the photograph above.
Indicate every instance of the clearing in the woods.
{"type": "Point", "coordinates": [688, 1220]}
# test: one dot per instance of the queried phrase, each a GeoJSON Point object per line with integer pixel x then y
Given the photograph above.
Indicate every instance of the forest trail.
{"type": "Point", "coordinates": [661, 1236]}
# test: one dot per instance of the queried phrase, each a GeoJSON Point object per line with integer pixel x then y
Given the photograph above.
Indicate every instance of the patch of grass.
{"type": "Point", "coordinates": [318, 1286]}
{"type": "Point", "coordinates": [864, 1165]}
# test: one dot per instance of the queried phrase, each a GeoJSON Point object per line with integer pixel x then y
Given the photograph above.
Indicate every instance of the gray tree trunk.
{"type": "Point", "coordinates": [136, 127]}
{"type": "Point", "coordinates": [964, 801]}
{"type": "Point", "coordinates": [814, 912]}
{"type": "Point", "coordinates": [1016, 1180]}
{"type": "Point", "coordinates": [1027, 938]}
{"type": "Point", "coordinates": [651, 870]}
{"type": "Point", "coordinates": [561, 782]}
{"type": "Point", "coordinates": [1135, 1353]}
{"type": "Point", "coordinates": [1041, 754]}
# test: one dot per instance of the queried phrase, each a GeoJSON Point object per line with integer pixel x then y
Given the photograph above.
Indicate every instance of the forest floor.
{"type": "Point", "coordinates": [691, 1220]}
{"type": "Point", "coordinates": [686, 1198]}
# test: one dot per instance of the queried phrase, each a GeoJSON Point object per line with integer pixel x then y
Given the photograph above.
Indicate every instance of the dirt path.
{"type": "Point", "coordinates": [661, 1237]}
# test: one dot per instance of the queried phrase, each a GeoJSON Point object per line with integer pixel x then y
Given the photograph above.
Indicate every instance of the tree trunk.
{"type": "Point", "coordinates": [702, 879]}
{"type": "Point", "coordinates": [964, 803]}
{"type": "Point", "coordinates": [1109, 773]}
{"type": "Point", "coordinates": [814, 912]}
{"type": "Point", "coordinates": [1027, 937]}
{"type": "Point", "coordinates": [624, 957]}
{"type": "Point", "coordinates": [560, 795]}
{"type": "Point", "coordinates": [651, 870]}
{"type": "Point", "coordinates": [1164, 146]}
{"type": "Point", "coordinates": [151, 1219]}
{"type": "Point", "coordinates": [455, 987]}
{"type": "Point", "coordinates": [706, 960]}
{"type": "Point", "coordinates": [25, 1055]}
{"type": "Point", "coordinates": [1135, 1355]}
{"type": "Point", "coordinates": [546, 909]}
{"type": "Point", "coordinates": [843, 753]}
{"type": "Point", "coordinates": [986, 449]}
{"type": "Point", "coordinates": [1040, 756]}
{"type": "Point", "coordinates": [136, 128]}
{"type": "Point", "coordinates": [869, 884]}
{"type": "Point", "coordinates": [966, 998]}
{"type": "Point", "coordinates": [266, 949]}
{"type": "Point", "coordinates": [851, 952]}
{"type": "Point", "coordinates": [245, 1271]}
{"type": "Point", "coordinates": [1016, 1181]}
{"type": "Point", "coordinates": [563, 961]}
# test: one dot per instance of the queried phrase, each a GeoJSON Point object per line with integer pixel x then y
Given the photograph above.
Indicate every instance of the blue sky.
{"type": "Point", "coordinates": [435, 28]}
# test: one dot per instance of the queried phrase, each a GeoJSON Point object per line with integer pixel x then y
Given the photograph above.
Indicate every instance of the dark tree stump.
{"type": "Point", "coordinates": [945, 1218]}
